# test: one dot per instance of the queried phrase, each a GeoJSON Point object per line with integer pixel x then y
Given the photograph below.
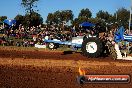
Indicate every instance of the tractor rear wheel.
{"type": "Point", "coordinates": [92, 47]}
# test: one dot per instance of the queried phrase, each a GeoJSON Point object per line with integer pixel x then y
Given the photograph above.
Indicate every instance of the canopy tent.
{"type": "Point", "coordinates": [87, 24]}
{"type": "Point", "coordinates": [9, 22]}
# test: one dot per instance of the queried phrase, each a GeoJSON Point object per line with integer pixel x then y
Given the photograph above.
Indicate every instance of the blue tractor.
{"type": "Point", "coordinates": [93, 46]}
{"type": "Point", "coordinates": [90, 44]}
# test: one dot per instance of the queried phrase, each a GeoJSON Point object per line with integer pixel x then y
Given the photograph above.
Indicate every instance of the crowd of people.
{"type": "Point", "coordinates": [22, 36]}
{"type": "Point", "coordinates": [29, 36]}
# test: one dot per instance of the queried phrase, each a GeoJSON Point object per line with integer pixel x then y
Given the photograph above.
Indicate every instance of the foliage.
{"type": "Point", "coordinates": [2, 18]}
{"type": "Point", "coordinates": [79, 20]}
{"type": "Point", "coordinates": [36, 19]}
{"type": "Point", "coordinates": [103, 18]}
{"type": "Point", "coordinates": [20, 19]}
{"type": "Point", "coordinates": [50, 18]}
{"type": "Point", "coordinates": [31, 16]}
{"type": "Point", "coordinates": [123, 16]}
{"type": "Point", "coordinates": [83, 16]}
{"type": "Point", "coordinates": [59, 17]}
{"type": "Point", "coordinates": [85, 13]}
{"type": "Point", "coordinates": [29, 5]}
{"type": "Point", "coordinates": [103, 15]}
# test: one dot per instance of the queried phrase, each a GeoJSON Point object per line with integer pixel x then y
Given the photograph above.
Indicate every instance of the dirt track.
{"type": "Point", "coordinates": [52, 69]}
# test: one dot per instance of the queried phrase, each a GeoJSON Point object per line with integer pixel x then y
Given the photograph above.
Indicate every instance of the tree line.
{"type": "Point", "coordinates": [103, 18]}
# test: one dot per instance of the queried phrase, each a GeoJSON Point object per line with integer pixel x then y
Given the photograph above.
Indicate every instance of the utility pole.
{"type": "Point", "coordinates": [130, 21]}
{"type": "Point", "coordinates": [116, 15]}
{"type": "Point", "coordinates": [130, 16]}
{"type": "Point", "coordinates": [30, 16]}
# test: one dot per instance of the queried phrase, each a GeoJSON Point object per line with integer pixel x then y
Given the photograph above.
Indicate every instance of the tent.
{"type": "Point", "coordinates": [9, 22]}
{"type": "Point", "coordinates": [87, 24]}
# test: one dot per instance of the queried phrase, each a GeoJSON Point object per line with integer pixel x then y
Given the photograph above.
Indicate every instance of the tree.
{"type": "Point", "coordinates": [66, 15]}
{"type": "Point", "coordinates": [85, 13]}
{"type": "Point", "coordinates": [106, 19]}
{"type": "Point", "coordinates": [20, 19]}
{"type": "Point", "coordinates": [2, 18]}
{"type": "Point", "coordinates": [50, 18]}
{"type": "Point", "coordinates": [59, 17]}
{"type": "Point", "coordinates": [36, 19]}
{"type": "Point", "coordinates": [122, 16]}
{"type": "Point", "coordinates": [29, 7]}
{"type": "Point", "coordinates": [84, 16]}
{"type": "Point", "coordinates": [103, 15]}
{"type": "Point", "coordinates": [79, 20]}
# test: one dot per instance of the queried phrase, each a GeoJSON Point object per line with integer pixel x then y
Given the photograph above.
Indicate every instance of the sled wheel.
{"type": "Point", "coordinates": [52, 45]}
